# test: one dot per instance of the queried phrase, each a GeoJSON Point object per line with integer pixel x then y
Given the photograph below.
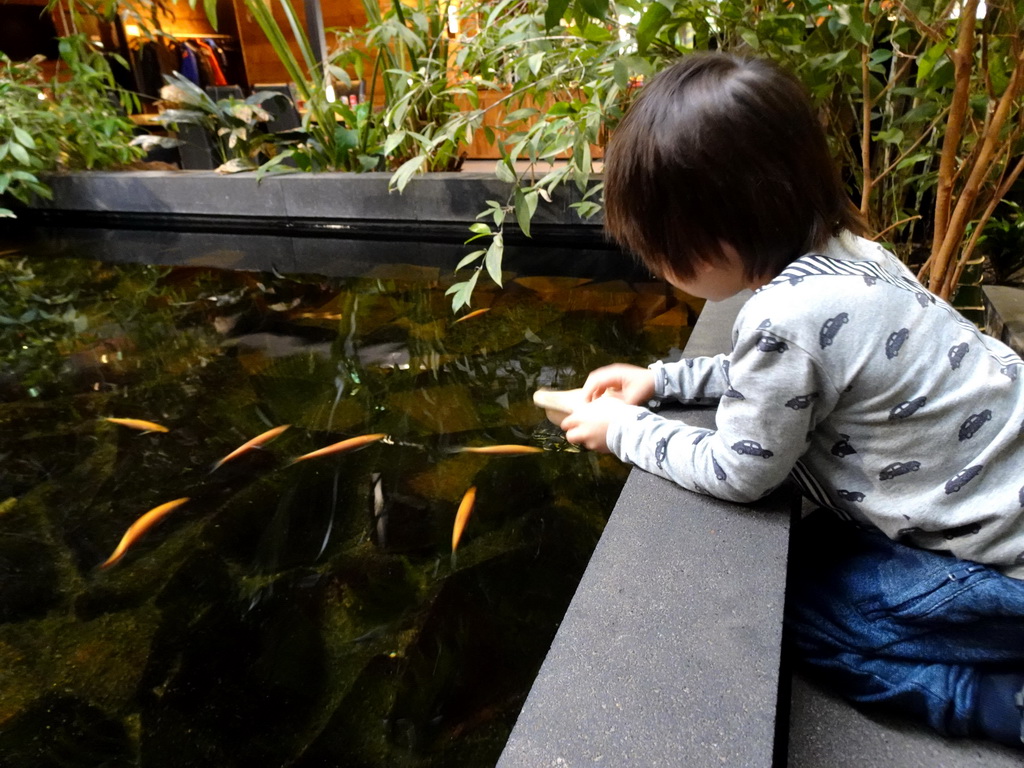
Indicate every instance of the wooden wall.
{"type": "Point", "coordinates": [261, 63]}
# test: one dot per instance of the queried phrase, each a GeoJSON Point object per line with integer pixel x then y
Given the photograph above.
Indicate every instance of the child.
{"type": "Point", "coordinates": [887, 408]}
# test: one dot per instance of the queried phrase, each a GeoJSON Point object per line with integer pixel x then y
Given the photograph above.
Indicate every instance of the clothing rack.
{"type": "Point", "coordinates": [201, 36]}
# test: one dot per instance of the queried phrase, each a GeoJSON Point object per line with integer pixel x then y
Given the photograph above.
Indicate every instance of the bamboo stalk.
{"type": "Point", "coordinates": [986, 160]}
{"type": "Point", "coordinates": [866, 106]}
{"type": "Point", "coordinates": [963, 60]}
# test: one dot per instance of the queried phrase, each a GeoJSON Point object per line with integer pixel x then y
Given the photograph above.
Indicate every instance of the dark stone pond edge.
{"type": "Point", "coordinates": [436, 207]}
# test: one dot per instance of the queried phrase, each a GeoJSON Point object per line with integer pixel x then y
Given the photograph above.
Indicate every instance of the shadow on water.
{"type": "Point", "coordinates": [306, 614]}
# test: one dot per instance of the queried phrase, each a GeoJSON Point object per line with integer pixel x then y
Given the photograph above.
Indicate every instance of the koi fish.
{"type": "Point", "coordinates": [345, 445]}
{"type": "Point", "coordinates": [145, 426]}
{"type": "Point", "coordinates": [474, 313]}
{"type": "Point", "coordinates": [502, 450]}
{"type": "Point", "coordinates": [257, 441]}
{"type": "Point", "coordinates": [465, 509]}
{"type": "Point", "coordinates": [139, 527]}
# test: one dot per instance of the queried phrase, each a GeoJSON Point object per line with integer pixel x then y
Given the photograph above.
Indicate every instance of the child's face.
{"type": "Point", "coordinates": [719, 281]}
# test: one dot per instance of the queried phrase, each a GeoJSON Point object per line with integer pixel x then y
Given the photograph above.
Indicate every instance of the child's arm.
{"type": "Point", "coordinates": [775, 395]}
{"type": "Point", "coordinates": [689, 380]}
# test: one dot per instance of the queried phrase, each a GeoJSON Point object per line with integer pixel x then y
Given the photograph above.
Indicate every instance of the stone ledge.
{"type": "Point", "coordinates": [1004, 315]}
{"type": "Point", "coordinates": [338, 197]}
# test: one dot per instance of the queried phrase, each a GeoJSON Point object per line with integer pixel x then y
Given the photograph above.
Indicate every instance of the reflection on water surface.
{"type": "Point", "coordinates": [307, 614]}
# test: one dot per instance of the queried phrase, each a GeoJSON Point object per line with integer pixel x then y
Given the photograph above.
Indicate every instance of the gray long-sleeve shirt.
{"type": "Point", "coordinates": [880, 400]}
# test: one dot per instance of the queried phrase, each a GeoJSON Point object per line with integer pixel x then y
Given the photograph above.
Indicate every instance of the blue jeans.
{"type": "Point", "coordinates": [912, 630]}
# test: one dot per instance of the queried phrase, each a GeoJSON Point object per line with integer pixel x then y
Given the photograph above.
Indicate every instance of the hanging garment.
{"type": "Point", "coordinates": [207, 55]}
{"type": "Point", "coordinates": [189, 65]}
{"type": "Point", "coordinates": [150, 75]}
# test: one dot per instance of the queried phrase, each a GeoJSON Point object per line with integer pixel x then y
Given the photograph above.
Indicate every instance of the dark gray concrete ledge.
{"type": "Point", "coordinates": [1004, 315]}
{"type": "Point", "coordinates": [335, 200]}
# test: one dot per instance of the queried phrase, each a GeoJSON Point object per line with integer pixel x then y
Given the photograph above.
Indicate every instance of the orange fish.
{"type": "Point", "coordinates": [465, 509]}
{"type": "Point", "coordinates": [139, 527]}
{"type": "Point", "coordinates": [474, 313]}
{"type": "Point", "coordinates": [503, 450]}
{"type": "Point", "coordinates": [345, 445]}
{"type": "Point", "coordinates": [257, 441]}
{"type": "Point", "coordinates": [145, 426]}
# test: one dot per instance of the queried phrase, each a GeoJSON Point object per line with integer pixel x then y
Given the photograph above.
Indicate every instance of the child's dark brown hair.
{"type": "Point", "coordinates": [723, 149]}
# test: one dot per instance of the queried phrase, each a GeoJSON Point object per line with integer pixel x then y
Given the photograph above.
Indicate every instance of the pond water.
{"type": "Point", "coordinates": [306, 614]}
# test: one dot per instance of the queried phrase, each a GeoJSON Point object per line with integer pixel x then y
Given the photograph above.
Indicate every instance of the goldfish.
{"type": "Point", "coordinates": [474, 313]}
{"type": "Point", "coordinates": [139, 527]}
{"type": "Point", "coordinates": [345, 445]}
{"type": "Point", "coordinates": [465, 509]}
{"type": "Point", "coordinates": [257, 441]}
{"type": "Point", "coordinates": [502, 450]}
{"type": "Point", "coordinates": [145, 426]}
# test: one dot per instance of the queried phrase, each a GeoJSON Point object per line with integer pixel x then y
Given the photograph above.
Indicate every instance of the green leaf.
{"type": "Point", "coordinates": [521, 114]}
{"type": "Point", "coordinates": [406, 171]}
{"type": "Point", "coordinates": [504, 171]}
{"type": "Point", "coordinates": [525, 207]}
{"type": "Point", "coordinates": [210, 6]}
{"type": "Point", "coordinates": [534, 61]}
{"type": "Point", "coordinates": [19, 153]}
{"type": "Point", "coordinates": [650, 25]}
{"type": "Point", "coordinates": [392, 141]}
{"type": "Point", "coordinates": [620, 73]}
{"type": "Point", "coordinates": [554, 12]}
{"type": "Point", "coordinates": [462, 292]}
{"type": "Point", "coordinates": [24, 138]}
{"type": "Point", "coordinates": [860, 30]}
{"type": "Point", "coordinates": [596, 9]}
{"type": "Point", "coordinates": [469, 259]}
{"type": "Point", "coordinates": [928, 60]}
{"type": "Point", "coordinates": [479, 227]}
{"type": "Point", "coordinates": [493, 258]}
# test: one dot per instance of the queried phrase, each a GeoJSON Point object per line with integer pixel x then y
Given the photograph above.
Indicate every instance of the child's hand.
{"type": "Point", "coordinates": [588, 424]}
{"type": "Point", "coordinates": [635, 385]}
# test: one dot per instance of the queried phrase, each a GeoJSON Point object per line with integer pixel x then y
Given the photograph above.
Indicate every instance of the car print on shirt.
{"type": "Point", "coordinates": [956, 354]}
{"type": "Point", "coordinates": [1020, 495]}
{"type": "Point", "coordinates": [898, 468]}
{"type": "Point", "coordinates": [852, 496]}
{"type": "Point", "coordinates": [771, 344]}
{"type": "Point", "coordinates": [766, 323]}
{"type": "Point", "coordinates": [660, 451]}
{"type": "Point", "coordinates": [800, 402]}
{"type": "Point", "coordinates": [970, 427]}
{"type": "Point", "coordinates": [923, 299]}
{"type": "Point", "coordinates": [1010, 371]}
{"type": "Point", "coordinates": [719, 472]}
{"type": "Point", "coordinates": [870, 280]}
{"type": "Point", "coordinates": [830, 328]}
{"type": "Point", "coordinates": [795, 279]}
{"type": "Point", "coordinates": [895, 342]}
{"type": "Point", "coordinates": [751, 448]}
{"type": "Point", "coordinates": [842, 448]}
{"type": "Point", "coordinates": [962, 478]}
{"type": "Point", "coordinates": [907, 408]}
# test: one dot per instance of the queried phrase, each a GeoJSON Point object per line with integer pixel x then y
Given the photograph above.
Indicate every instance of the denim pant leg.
{"type": "Point", "coordinates": [894, 625]}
